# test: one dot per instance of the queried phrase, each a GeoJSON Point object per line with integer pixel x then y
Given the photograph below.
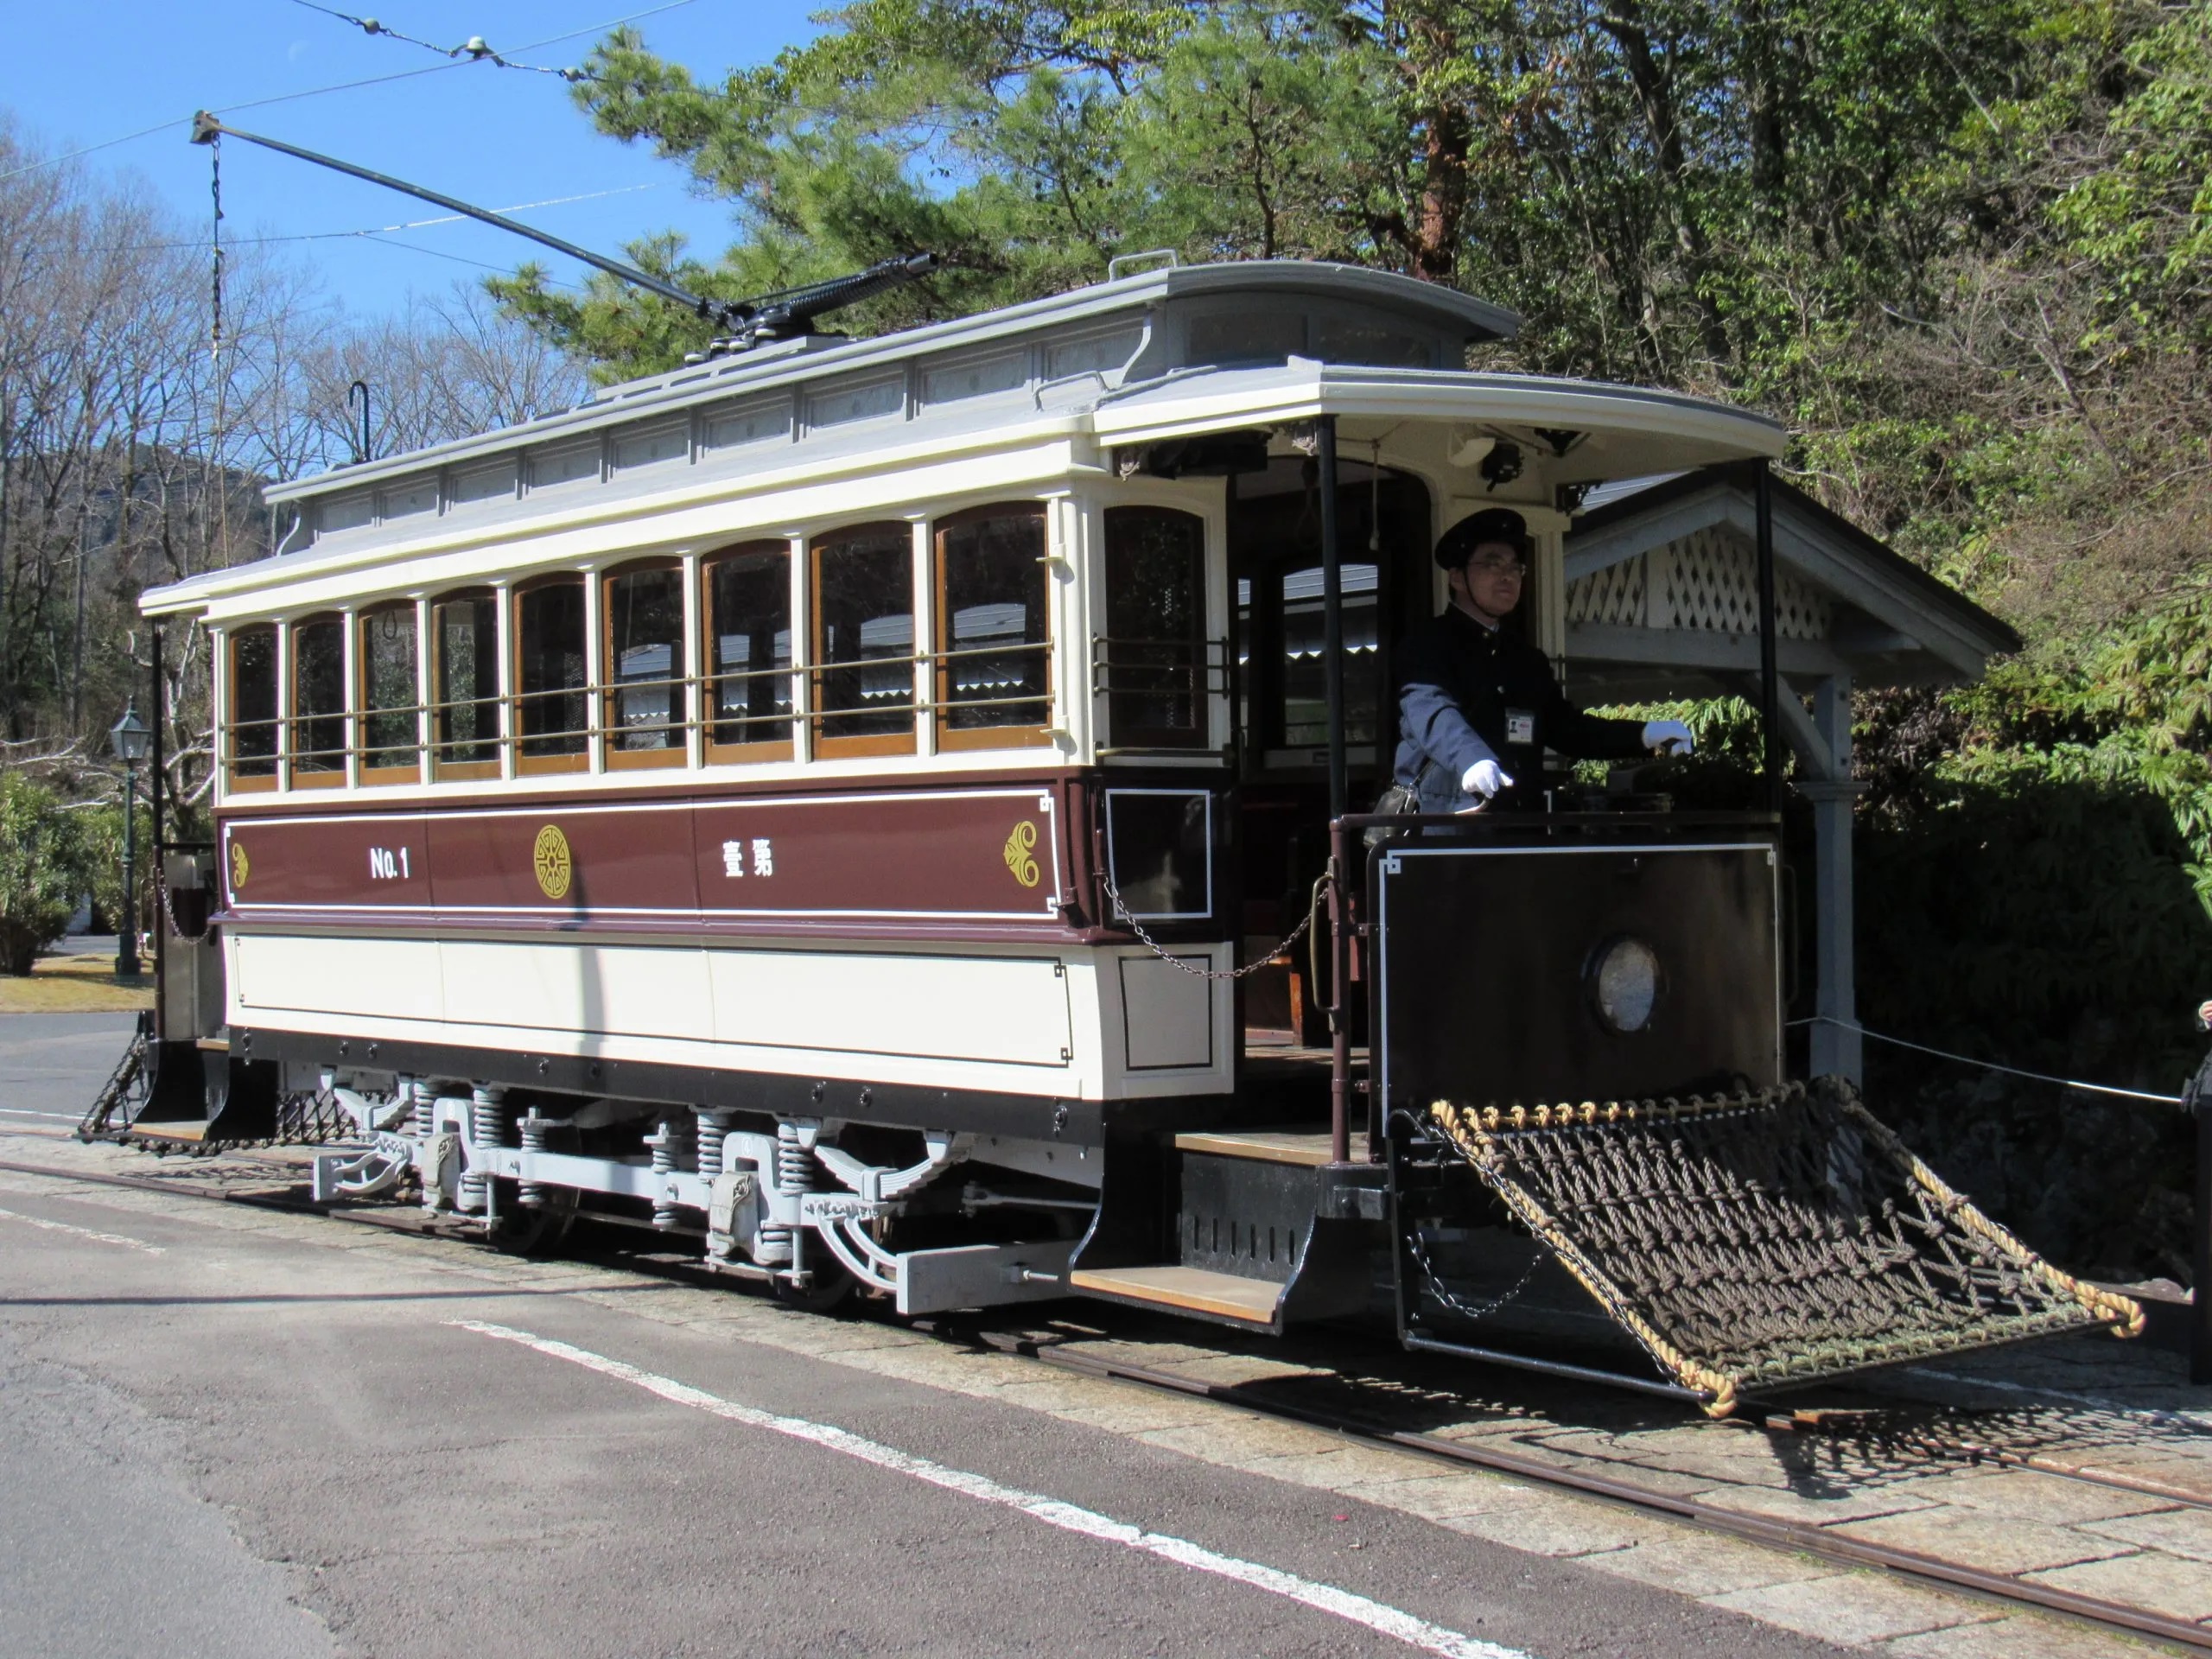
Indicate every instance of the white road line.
{"type": "Point", "coordinates": [58, 1117]}
{"type": "Point", "coordinates": [1377, 1616]}
{"type": "Point", "coordinates": [81, 1232]}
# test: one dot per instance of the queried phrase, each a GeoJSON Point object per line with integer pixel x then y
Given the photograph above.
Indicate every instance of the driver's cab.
{"type": "Point", "coordinates": [1384, 523]}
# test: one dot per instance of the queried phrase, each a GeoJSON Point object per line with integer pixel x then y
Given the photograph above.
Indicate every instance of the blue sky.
{"type": "Point", "coordinates": [88, 72]}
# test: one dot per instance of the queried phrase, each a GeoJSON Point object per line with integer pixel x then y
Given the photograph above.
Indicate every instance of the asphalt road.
{"type": "Point", "coordinates": [238, 1433]}
{"type": "Point", "coordinates": [52, 1065]}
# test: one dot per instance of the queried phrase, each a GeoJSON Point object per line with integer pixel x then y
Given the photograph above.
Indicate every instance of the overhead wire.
{"type": "Point", "coordinates": [473, 49]}
{"type": "Point", "coordinates": [344, 86]}
{"type": "Point", "coordinates": [377, 231]}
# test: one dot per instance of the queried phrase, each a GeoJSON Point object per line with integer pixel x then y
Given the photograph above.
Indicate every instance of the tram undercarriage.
{"type": "Point", "coordinates": [1540, 1178]}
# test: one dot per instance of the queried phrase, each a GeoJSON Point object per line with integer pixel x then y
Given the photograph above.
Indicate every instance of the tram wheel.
{"type": "Point", "coordinates": [832, 1288]}
{"type": "Point", "coordinates": [521, 1231]}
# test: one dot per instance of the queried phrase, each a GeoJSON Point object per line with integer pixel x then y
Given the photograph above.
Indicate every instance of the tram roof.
{"type": "Point", "coordinates": [1448, 316]}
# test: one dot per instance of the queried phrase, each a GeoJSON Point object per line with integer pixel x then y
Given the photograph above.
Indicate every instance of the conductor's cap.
{"type": "Point", "coordinates": [1499, 525]}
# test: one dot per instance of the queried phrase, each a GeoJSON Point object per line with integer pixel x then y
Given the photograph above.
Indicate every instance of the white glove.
{"type": "Point", "coordinates": [1668, 736]}
{"type": "Point", "coordinates": [1485, 778]}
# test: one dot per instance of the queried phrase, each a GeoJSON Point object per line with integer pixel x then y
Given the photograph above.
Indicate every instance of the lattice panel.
{"type": "Point", "coordinates": [1613, 596]}
{"type": "Point", "coordinates": [1709, 581]}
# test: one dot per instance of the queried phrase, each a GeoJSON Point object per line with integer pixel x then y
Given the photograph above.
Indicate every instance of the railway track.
{"type": "Point", "coordinates": [1087, 1351]}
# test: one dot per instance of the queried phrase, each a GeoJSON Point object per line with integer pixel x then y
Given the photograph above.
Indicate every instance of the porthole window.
{"type": "Point", "coordinates": [646, 707]}
{"type": "Point", "coordinates": [748, 631]}
{"type": "Point", "coordinates": [864, 640]}
{"type": "Point", "coordinates": [552, 705]}
{"type": "Point", "coordinates": [390, 733]}
{"type": "Point", "coordinates": [1153, 656]}
{"type": "Point", "coordinates": [317, 743]}
{"type": "Point", "coordinates": [992, 663]}
{"type": "Point", "coordinates": [465, 686]}
{"type": "Point", "coordinates": [251, 732]}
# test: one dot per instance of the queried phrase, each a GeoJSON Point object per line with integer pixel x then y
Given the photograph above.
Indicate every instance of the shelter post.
{"type": "Point", "coordinates": [1836, 1047]}
{"type": "Point", "coordinates": [1770, 716]}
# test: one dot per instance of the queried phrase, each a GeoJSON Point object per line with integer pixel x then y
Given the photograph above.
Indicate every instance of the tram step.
{"type": "Point", "coordinates": [1189, 1290]}
{"type": "Point", "coordinates": [193, 1130]}
{"type": "Point", "coordinates": [1263, 1146]}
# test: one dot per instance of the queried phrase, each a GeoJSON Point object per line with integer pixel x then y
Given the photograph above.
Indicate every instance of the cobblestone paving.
{"type": "Point", "coordinates": [2085, 1401]}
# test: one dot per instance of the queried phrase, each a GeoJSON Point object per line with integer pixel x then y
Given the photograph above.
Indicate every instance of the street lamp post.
{"type": "Point", "coordinates": [130, 739]}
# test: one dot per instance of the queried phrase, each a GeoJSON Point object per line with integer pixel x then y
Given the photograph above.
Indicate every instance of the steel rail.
{"type": "Point", "coordinates": [1794, 1536]}
{"type": "Point", "coordinates": [1772, 1532]}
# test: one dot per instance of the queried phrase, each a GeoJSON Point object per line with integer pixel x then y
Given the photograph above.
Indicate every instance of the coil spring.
{"type": "Point", "coordinates": [794, 1173]}
{"type": "Point", "coordinates": [487, 1127]}
{"type": "Point", "coordinates": [671, 1148]}
{"type": "Point", "coordinates": [713, 1130]}
{"type": "Point", "coordinates": [426, 1109]}
{"type": "Point", "coordinates": [532, 1128]}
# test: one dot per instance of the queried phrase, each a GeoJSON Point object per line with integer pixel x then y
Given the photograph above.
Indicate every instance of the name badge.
{"type": "Point", "coordinates": [1520, 726]}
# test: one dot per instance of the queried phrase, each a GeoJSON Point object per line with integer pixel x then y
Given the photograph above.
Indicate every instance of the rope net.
{"type": "Point", "coordinates": [1753, 1240]}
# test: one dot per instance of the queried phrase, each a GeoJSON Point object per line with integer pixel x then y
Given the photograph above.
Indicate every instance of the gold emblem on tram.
{"type": "Point", "coordinates": [1019, 846]}
{"type": "Point", "coordinates": [240, 868]}
{"type": "Point", "coordinates": [549, 858]}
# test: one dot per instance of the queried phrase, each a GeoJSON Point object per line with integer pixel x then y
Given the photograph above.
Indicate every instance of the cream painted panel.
{"type": "Point", "coordinates": [395, 979]}
{"type": "Point", "coordinates": [983, 1008]}
{"type": "Point", "coordinates": [1167, 1013]}
{"type": "Point", "coordinates": [650, 991]}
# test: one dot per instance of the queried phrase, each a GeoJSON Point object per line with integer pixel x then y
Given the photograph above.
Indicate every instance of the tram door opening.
{"type": "Point", "coordinates": [1282, 711]}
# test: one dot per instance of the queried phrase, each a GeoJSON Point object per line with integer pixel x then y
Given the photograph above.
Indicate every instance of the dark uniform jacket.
{"type": "Point", "coordinates": [1468, 693]}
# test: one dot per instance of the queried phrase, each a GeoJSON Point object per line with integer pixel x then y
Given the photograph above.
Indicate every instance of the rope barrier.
{"type": "Point", "coordinates": [1991, 1065]}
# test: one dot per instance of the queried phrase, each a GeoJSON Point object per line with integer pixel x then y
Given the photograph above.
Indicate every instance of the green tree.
{"type": "Point", "coordinates": [44, 870]}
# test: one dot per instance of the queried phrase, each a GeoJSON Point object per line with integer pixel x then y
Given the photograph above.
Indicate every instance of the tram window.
{"type": "Point", "coordinates": [749, 614]}
{"type": "Point", "coordinates": [645, 701]}
{"type": "Point", "coordinates": [465, 685]}
{"type": "Point", "coordinates": [864, 640]}
{"type": "Point", "coordinates": [1155, 651]}
{"type": "Point", "coordinates": [317, 748]}
{"type": "Point", "coordinates": [552, 705]}
{"type": "Point", "coordinates": [1304, 664]}
{"type": "Point", "coordinates": [253, 707]}
{"type": "Point", "coordinates": [993, 658]}
{"type": "Point", "coordinates": [390, 741]}
{"type": "Point", "coordinates": [1160, 848]}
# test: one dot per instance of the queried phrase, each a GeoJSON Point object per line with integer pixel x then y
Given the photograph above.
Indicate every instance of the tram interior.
{"type": "Point", "coordinates": [1281, 828]}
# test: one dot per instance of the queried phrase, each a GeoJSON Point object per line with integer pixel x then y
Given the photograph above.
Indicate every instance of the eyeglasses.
{"type": "Point", "coordinates": [1498, 567]}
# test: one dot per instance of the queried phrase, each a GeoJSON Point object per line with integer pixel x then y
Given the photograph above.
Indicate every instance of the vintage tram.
{"type": "Point", "coordinates": [885, 811]}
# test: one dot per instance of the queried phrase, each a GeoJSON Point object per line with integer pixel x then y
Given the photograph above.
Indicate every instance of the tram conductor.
{"type": "Point", "coordinates": [1477, 705]}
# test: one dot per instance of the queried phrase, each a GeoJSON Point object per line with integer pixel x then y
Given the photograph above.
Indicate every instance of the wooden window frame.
{"type": "Point", "coordinates": [984, 737]}
{"type": "Point", "coordinates": [235, 782]}
{"type": "Point", "coordinates": [678, 752]}
{"type": "Point", "coordinates": [865, 745]}
{"type": "Point", "coordinates": [459, 772]}
{"type": "Point", "coordinates": [528, 765]}
{"type": "Point", "coordinates": [759, 749]}
{"type": "Point", "coordinates": [382, 776]}
{"type": "Point", "coordinates": [295, 775]}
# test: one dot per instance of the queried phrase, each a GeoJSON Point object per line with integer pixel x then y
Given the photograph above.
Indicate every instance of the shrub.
{"type": "Point", "coordinates": [44, 869]}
